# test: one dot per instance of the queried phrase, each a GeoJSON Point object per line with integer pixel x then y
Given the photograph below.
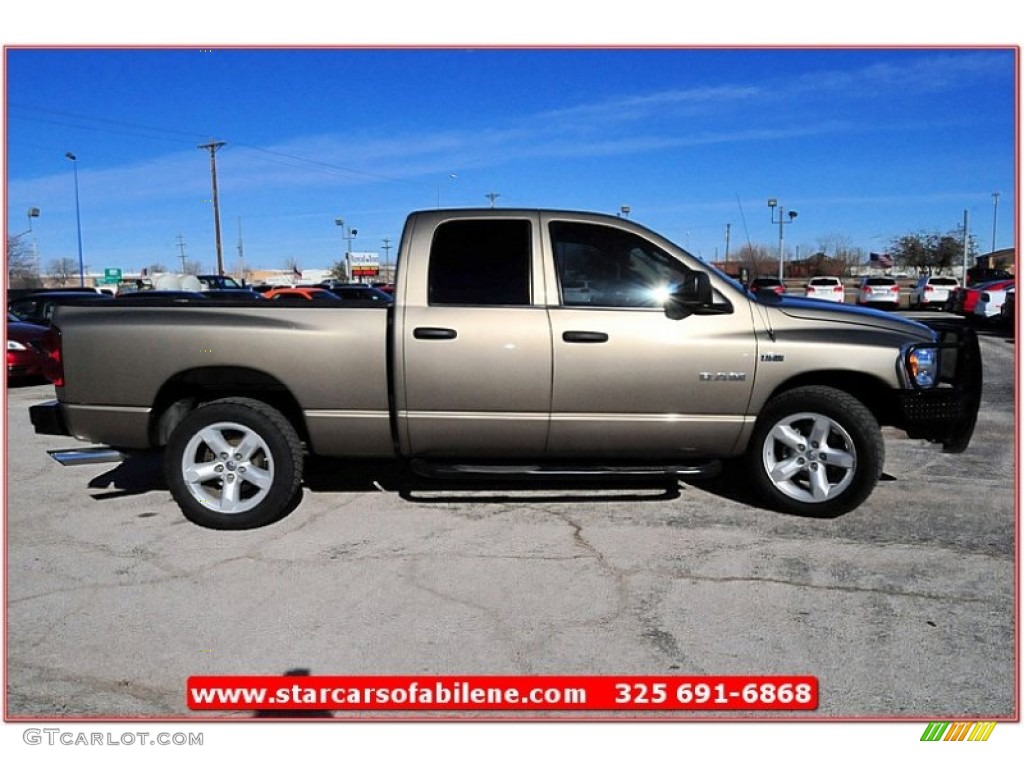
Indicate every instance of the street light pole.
{"type": "Point", "coordinates": [348, 234]}
{"type": "Point", "coordinates": [78, 220]}
{"type": "Point", "coordinates": [785, 217]}
{"type": "Point", "coordinates": [995, 216]}
{"type": "Point", "coordinates": [451, 177]}
{"type": "Point", "coordinates": [966, 246]}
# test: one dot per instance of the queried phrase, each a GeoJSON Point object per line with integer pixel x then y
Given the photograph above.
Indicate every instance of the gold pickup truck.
{"type": "Point", "coordinates": [519, 341]}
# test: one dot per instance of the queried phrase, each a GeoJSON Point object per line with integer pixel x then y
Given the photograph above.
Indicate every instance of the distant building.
{"type": "Point", "coordinates": [1005, 258]}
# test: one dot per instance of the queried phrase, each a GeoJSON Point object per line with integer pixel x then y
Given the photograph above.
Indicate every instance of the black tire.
{"type": "Point", "coordinates": [234, 463]}
{"type": "Point", "coordinates": [816, 451]}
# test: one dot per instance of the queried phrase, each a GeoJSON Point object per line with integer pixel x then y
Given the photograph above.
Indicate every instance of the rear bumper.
{"type": "Point", "coordinates": [48, 419]}
{"type": "Point", "coordinates": [947, 413]}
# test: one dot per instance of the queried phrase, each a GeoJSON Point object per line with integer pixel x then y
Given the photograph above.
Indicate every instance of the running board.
{"type": "Point", "coordinates": [438, 470]}
{"type": "Point", "coordinates": [79, 456]}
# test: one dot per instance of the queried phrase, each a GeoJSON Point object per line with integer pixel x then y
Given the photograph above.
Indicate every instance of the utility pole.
{"type": "Point", "coordinates": [78, 218]}
{"type": "Point", "coordinates": [492, 196]}
{"type": "Point", "coordinates": [967, 242]}
{"type": "Point", "coordinates": [995, 218]}
{"type": "Point", "coordinates": [387, 259]}
{"type": "Point", "coordinates": [181, 252]}
{"type": "Point", "coordinates": [241, 251]}
{"type": "Point", "coordinates": [212, 147]}
{"type": "Point", "coordinates": [728, 233]}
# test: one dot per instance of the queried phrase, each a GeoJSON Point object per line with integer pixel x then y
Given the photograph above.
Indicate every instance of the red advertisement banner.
{"type": "Point", "coordinates": [504, 693]}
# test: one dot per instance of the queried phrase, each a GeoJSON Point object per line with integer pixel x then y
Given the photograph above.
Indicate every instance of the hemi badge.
{"type": "Point", "coordinates": [722, 376]}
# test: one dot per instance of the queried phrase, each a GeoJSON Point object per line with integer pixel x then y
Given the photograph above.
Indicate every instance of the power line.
{"type": "Point", "coordinates": [154, 132]}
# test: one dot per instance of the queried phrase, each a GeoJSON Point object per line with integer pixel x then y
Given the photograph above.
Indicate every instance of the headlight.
{"type": "Point", "coordinates": [922, 365]}
{"type": "Point", "coordinates": [15, 346]}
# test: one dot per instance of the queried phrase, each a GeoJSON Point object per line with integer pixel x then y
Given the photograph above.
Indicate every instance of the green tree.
{"type": "Point", "coordinates": [338, 271]}
{"type": "Point", "coordinates": [930, 252]}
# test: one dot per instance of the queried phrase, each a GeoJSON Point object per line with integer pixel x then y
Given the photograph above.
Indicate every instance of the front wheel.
{"type": "Point", "coordinates": [815, 451]}
{"type": "Point", "coordinates": [234, 463]}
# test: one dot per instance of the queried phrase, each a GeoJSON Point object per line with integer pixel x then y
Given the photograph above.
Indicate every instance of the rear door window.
{"type": "Point", "coordinates": [485, 262]}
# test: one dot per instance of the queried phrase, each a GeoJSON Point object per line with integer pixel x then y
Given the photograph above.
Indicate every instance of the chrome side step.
{"type": "Point", "coordinates": [440, 470]}
{"type": "Point", "coordinates": [78, 456]}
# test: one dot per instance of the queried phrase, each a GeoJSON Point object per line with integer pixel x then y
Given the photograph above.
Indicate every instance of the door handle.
{"type": "Point", "coordinates": [584, 337]}
{"type": "Point", "coordinates": [433, 334]}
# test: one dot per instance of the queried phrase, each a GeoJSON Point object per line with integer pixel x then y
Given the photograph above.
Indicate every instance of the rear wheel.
{"type": "Point", "coordinates": [815, 451]}
{"type": "Point", "coordinates": [234, 463]}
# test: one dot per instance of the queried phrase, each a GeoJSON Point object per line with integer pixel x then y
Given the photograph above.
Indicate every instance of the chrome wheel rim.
{"type": "Point", "coordinates": [228, 467]}
{"type": "Point", "coordinates": [809, 457]}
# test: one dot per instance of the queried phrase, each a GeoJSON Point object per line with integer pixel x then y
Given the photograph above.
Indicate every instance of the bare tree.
{"type": "Point", "coordinates": [837, 255]}
{"type": "Point", "coordinates": [758, 260]}
{"type": "Point", "coordinates": [21, 265]}
{"type": "Point", "coordinates": [63, 270]}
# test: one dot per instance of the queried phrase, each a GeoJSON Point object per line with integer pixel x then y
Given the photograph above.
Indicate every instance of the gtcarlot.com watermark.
{"type": "Point", "coordinates": [55, 737]}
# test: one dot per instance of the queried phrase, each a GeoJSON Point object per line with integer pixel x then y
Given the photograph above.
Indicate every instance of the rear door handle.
{"type": "Point", "coordinates": [584, 337]}
{"type": "Point", "coordinates": [433, 334]}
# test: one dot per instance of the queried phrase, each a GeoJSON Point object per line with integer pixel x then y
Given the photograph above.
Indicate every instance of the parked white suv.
{"type": "Point", "coordinates": [879, 292]}
{"type": "Point", "coordinates": [932, 291]}
{"type": "Point", "coordinates": [827, 288]}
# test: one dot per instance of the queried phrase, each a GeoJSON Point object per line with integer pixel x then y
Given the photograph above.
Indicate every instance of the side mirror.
{"type": "Point", "coordinates": [691, 295]}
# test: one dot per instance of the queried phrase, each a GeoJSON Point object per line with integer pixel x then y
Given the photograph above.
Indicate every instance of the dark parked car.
{"type": "Point", "coordinates": [977, 275]}
{"type": "Point", "coordinates": [1008, 313]}
{"type": "Point", "coordinates": [161, 295]}
{"type": "Point", "coordinates": [769, 284]}
{"type": "Point", "coordinates": [38, 308]}
{"type": "Point", "coordinates": [234, 294]}
{"type": "Point", "coordinates": [218, 283]}
{"type": "Point", "coordinates": [358, 292]}
{"type": "Point", "coordinates": [24, 352]}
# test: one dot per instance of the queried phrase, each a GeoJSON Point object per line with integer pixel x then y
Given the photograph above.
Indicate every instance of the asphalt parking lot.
{"type": "Point", "coordinates": [902, 608]}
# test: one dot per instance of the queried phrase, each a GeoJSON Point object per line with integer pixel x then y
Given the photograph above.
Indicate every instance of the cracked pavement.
{"type": "Point", "coordinates": [902, 608]}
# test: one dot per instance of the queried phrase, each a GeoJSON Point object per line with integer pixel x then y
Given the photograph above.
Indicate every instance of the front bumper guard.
{"type": "Point", "coordinates": [947, 412]}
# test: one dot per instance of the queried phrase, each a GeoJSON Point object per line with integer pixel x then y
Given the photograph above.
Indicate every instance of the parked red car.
{"type": "Point", "coordinates": [24, 353]}
{"type": "Point", "coordinates": [963, 300]}
{"type": "Point", "coordinates": [300, 294]}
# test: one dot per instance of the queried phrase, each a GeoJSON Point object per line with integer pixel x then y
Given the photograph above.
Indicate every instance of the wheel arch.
{"type": "Point", "coordinates": [187, 390]}
{"type": "Point", "coordinates": [873, 392]}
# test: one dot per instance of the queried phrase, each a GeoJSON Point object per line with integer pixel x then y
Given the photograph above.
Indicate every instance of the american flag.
{"type": "Point", "coordinates": [882, 259]}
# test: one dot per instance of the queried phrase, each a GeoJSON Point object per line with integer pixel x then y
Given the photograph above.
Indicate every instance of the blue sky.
{"type": "Point", "coordinates": [866, 144]}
